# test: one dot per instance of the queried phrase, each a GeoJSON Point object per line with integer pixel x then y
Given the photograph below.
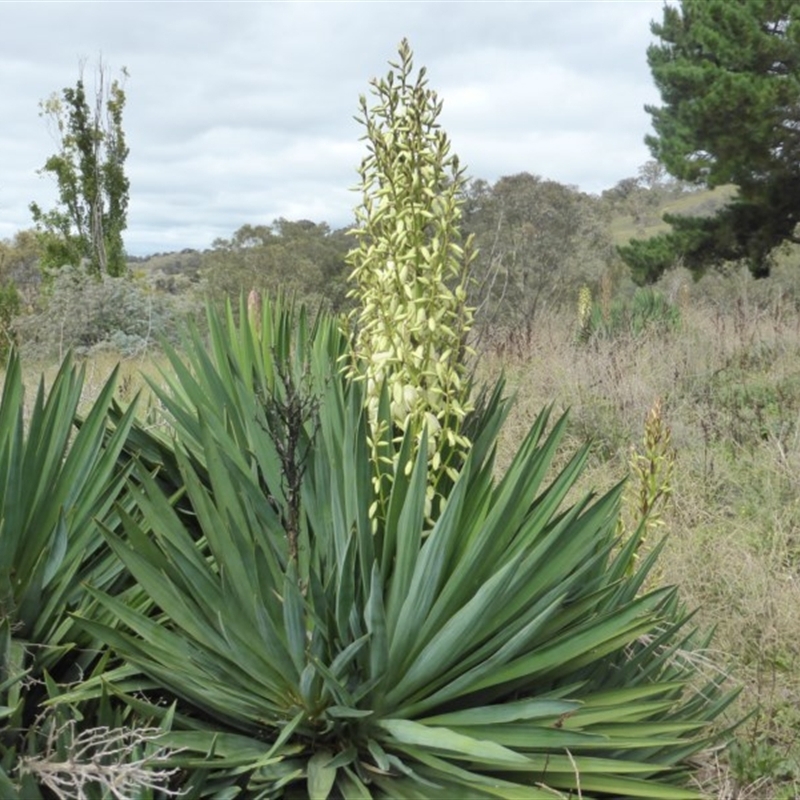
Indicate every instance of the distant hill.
{"type": "Point", "coordinates": [624, 227]}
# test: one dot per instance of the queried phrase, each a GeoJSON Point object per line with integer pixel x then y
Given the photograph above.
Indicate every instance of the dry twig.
{"type": "Point", "coordinates": [105, 757]}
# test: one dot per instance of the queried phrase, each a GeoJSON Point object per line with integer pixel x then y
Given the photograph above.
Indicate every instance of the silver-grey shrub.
{"type": "Point", "coordinates": [86, 313]}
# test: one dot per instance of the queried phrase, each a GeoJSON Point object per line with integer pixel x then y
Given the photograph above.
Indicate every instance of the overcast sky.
{"type": "Point", "coordinates": [242, 112]}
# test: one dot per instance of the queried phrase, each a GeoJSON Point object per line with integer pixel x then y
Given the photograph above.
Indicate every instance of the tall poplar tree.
{"type": "Point", "coordinates": [729, 76]}
{"type": "Point", "coordinates": [91, 214]}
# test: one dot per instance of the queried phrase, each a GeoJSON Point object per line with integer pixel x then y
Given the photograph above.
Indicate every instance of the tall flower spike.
{"type": "Point", "coordinates": [650, 479]}
{"type": "Point", "coordinates": [410, 267]}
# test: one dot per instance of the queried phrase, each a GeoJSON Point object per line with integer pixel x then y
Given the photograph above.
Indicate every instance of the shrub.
{"type": "Point", "coordinates": [647, 311]}
{"type": "Point", "coordinates": [9, 308]}
{"type": "Point", "coordinates": [83, 312]}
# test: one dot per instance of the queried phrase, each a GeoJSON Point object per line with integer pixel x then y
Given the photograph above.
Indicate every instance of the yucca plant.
{"type": "Point", "coordinates": [309, 624]}
{"type": "Point", "coordinates": [647, 310]}
{"type": "Point", "coordinates": [59, 474]}
{"type": "Point", "coordinates": [506, 652]}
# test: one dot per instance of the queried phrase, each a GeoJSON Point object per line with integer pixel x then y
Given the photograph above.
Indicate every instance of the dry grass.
{"type": "Point", "coordinates": [120, 762]}
{"type": "Point", "coordinates": [730, 383]}
{"type": "Point", "coordinates": [132, 380]}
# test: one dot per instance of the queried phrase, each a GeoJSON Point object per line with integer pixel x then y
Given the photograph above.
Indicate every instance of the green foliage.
{"type": "Point", "coordinates": [729, 77]}
{"type": "Point", "coordinates": [56, 482]}
{"type": "Point", "coordinates": [88, 223]}
{"type": "Point", "coordinates": [301, 257]}
{"type": "Point", "coordinates": [9, 308]}
{"type": "Point", "coordinates": [538, 241]}
{"type": "Point", "coordinates": [19, 263]}
{"type": "Point", "coordinates": [737, 231]}
{"type": "Point", "coordinates": [18, 270]}
{"type": "Point", "coordinates": [649, 259]}
{"type": "Point", "coordinates": [505, 652]}
{"type": "Point", "coordinates": [747, 404]}
{"type": "Point", "coordinates": [647, 311]}
{"type": "Point", "coordinates": [758, 760]}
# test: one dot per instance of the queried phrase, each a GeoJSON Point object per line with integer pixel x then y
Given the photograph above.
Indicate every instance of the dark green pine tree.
{"type": "Point", "coordinates": [729, 76]}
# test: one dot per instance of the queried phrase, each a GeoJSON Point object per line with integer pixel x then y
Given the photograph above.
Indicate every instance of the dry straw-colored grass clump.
{"type": "Point", "coordinates": [111, 760]}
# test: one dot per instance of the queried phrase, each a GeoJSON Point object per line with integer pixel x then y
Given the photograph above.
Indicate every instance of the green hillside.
{"type": "Point", "coordinates": [624, 227]}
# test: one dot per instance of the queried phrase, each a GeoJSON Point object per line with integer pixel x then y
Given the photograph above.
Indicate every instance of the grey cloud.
{"type": "Point", "coordinates": [242, 112]}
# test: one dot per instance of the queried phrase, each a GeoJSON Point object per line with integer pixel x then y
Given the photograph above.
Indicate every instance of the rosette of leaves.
{"type": "Point", "coordinates": [410, 267]}
{"type": "Point", "coordinates": [506, 652]}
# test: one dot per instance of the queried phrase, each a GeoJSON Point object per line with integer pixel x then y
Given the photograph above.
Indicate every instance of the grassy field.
{"type": "Point", "coordinates": [729, 381]}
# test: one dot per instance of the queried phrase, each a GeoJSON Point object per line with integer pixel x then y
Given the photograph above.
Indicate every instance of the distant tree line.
{"type": "Point", "coordinates": [301, 257]}
{"type": "Point", "coordinates": [538, 241]}
{"type": "Point", "coordinates": [729, 77]}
